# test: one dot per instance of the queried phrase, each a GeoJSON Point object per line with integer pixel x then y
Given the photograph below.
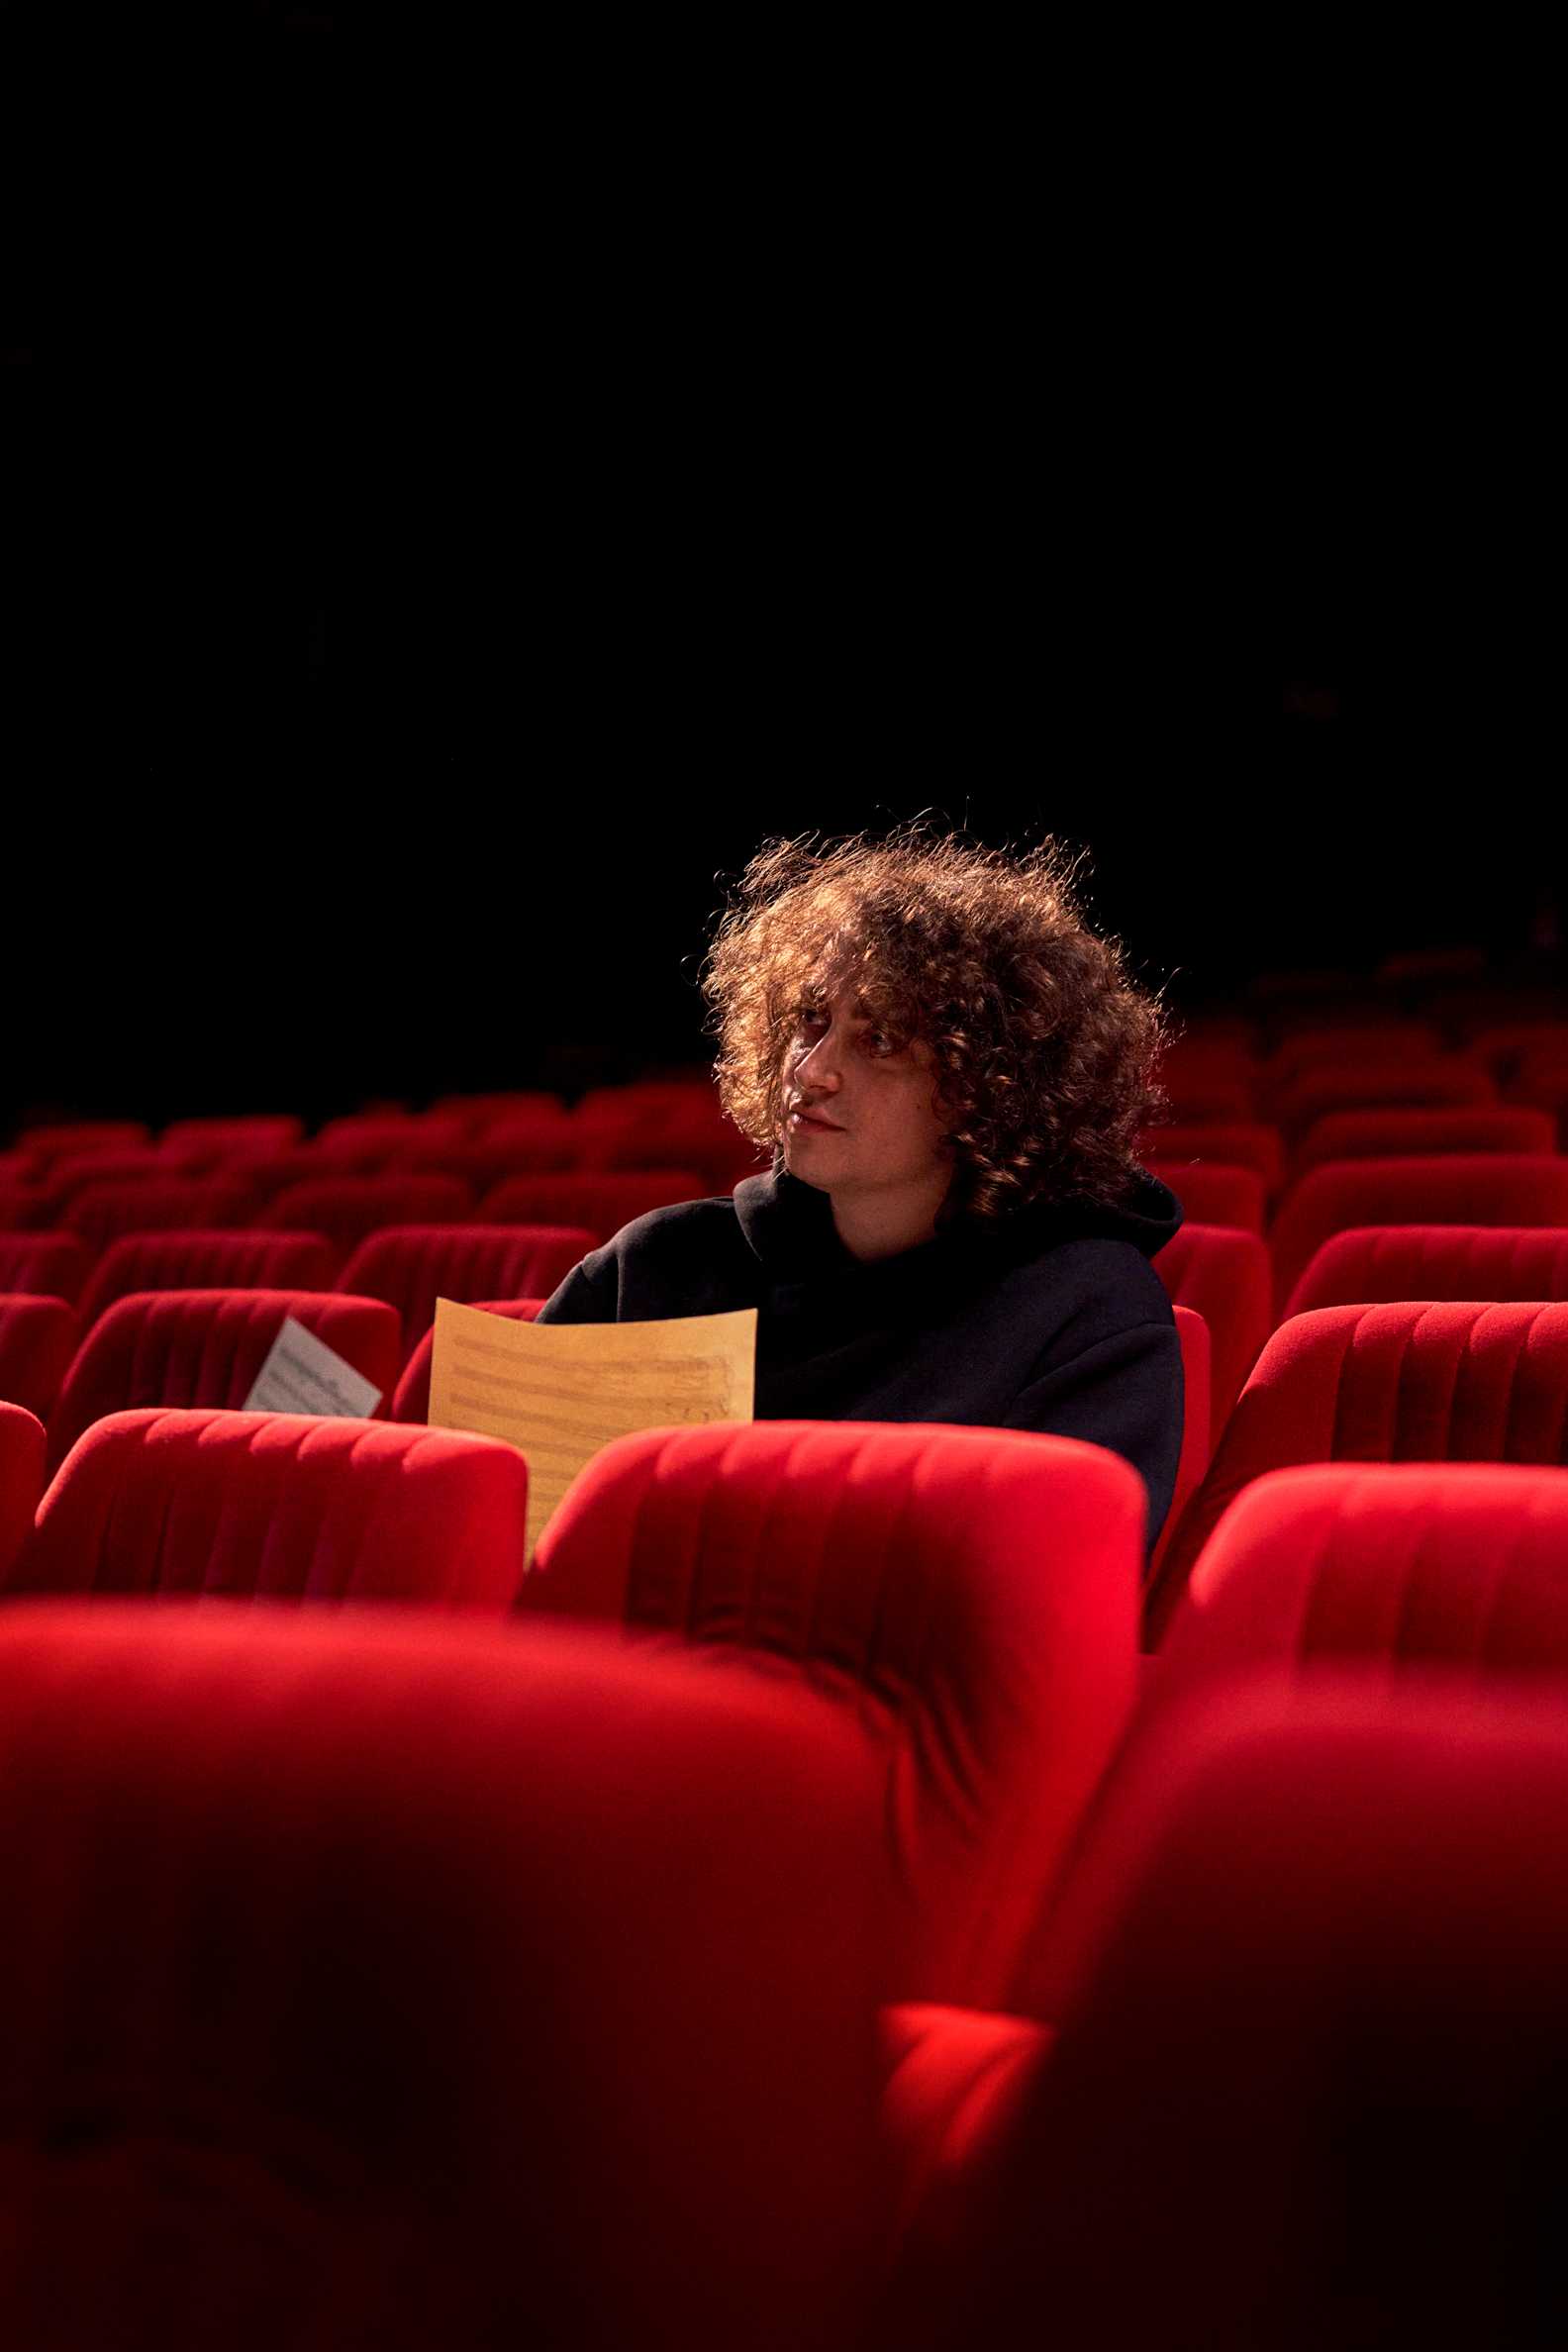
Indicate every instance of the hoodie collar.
{"type": "Point", "coordinates": [789, 1227]}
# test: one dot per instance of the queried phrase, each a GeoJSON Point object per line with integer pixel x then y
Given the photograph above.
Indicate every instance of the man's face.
{"type": "Point", "coordinates": [859, 1106]}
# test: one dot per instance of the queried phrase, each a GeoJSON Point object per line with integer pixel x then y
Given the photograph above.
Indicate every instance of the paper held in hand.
{"type": "Point", "coordinates": [302, 1374]}
{"type": "Point", "coordinates": [560, 1392]}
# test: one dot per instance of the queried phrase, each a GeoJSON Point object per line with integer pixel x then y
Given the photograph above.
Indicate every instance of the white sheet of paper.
{"type": "Point", "coordinates": [302, 1374]}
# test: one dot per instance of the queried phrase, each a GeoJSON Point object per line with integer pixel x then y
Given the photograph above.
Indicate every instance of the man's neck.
{"type": "Point", "coordinates": [882, 1225]}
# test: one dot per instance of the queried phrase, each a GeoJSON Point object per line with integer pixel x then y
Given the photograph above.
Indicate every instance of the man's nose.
{"type": "Point", "coordinates": [818, 1067]}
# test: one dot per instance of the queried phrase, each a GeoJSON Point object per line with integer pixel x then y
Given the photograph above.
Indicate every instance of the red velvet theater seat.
{"type": "Point", "coordinates": [1468, 1188]}
{"type": "Point", "coordinates": [282, 1507]}
{"type": "Point", "coordinates": [1455, 1564]}
{"type": "Point", "coordinates": [38, 1339]}
{"type": "Point", "coordinates": [49, 1265]}
{"type": "Point", "coordinates": [1236, 1145]}
{"type": "Point", "coordinates": [966, 1596]}
{"type": "Point", "coordinates": [411, 1402]}
{"type": "Point", "coordinates": [21, 1479]}
{"type": "Point", "coordinates": [1212, 1193]}
{"type": "Point", "coordinates": [411, 1266]}
{"type": "Point", "coordinates": [204, 1142]}
{"type": "Point", "coordinates": [1416, 1134]}
{"type": "Point", "coordinates": [205, 1347]}
{"type": "Point", "coordinates": [196, 1261]}
{"type": "Point", "coordinates": [103, 1212]}
{"type": "Point", "coordinates": [602, 1203]}
{"type": "Point", "coordinates": [1311, 2086]}
{"type": "Point", "coordinates": [1372, 1263]}
{"type": "Point", "coordinates": [1415, 1085]}
{"type": "Point", "coordinates": [45, 1145]}
{"type": "Point", "coordinates": [1453, 1382]}
{"type": "Point", "coordinates": [345, 1209]}
{"type": "Point", "coordinates": [408, 1985]}
{"type": "Point", "coordinates": [1224, 1274]}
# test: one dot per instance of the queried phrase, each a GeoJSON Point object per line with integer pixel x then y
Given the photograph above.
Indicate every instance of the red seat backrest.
{"type": "Point", "coordinates": [1309, 2083]}
{"type": "Point", "coordinates": [1226, 1275]}
{"type": "Point", "coordinates": [1212, 1193]}
{"type": "Point", "coordinates": [37, 1338]}
{"type": "Point", "coordinates": [347, 1208]}
{"type": "Point", "coordinates": [21, 1474]}
{"type": "Point", "coordinates": [205, 1347]}
{"type": "Point", "coordinates": [1371, 1263]}
{"type": "Point", "coordinates": [403, 1984]}
{"type": "Point", "coordinates": [411, 1266]}
{"type": "Point", "coordinates": [1415, 1135]}
{"type": "Point", "coordinates": [967, 1597]}
{"type": "Point", "coordinates": [603, 1204]}
{"type": "Point", "coordinates": [282, 1507]}
{"type": "Point", "coordinates": [1453, 1382]}
{"type": "Point", "coordinates": [1459, 1564]}
{"type": "Point", "coordinates": [1453, 1188]}
{"type": "Point", "coordinates": [103, 1212]}
{"type": "Point", "coordinates": [187, 1259]}
{"type": "Point", "coordinates": [51, 1265]}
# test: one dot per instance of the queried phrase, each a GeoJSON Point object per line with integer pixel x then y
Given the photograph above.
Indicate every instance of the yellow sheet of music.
{"type": "Point", "coordinates": [560, 1392]}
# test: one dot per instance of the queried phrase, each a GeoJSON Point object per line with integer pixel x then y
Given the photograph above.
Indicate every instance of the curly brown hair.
{"type": "Point", "coordinates": [1045, 1048]}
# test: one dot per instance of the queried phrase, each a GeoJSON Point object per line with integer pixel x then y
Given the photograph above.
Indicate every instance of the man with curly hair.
{"type": "Point", "coordinates": [952, 1070]}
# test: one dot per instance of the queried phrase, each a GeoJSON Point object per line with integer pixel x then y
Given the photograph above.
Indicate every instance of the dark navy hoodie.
{"type": "Point", "coordinates": [1054, 1322]}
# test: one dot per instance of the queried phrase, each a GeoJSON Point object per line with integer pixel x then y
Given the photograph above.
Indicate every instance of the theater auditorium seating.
{"type": "Point", "coordinates": [194, 1260]}
{"type": "Point", "coordinates": [345, 1209]}
{"type": "Point", "coordinates": [1461, 1188]}
{"type": "Point", "coordinates": [601, 1203]}
{"type": "Point", "coordinates": [1415, 1134]}
{"type": "Point", "coordinates": [51, 1265]}
{"type": "Point", "coordinates": [197, 1143]}
{"type": "Point", "coordinates": [411, 1266]}
{"type": "Point", "coordinates": [411, 1400]}
{"type": "Point", "coordinates": [1448, 1085]}
{"type": "Point", "coordinates": [21, 1473]}
{"type": "Point", "coordinates": [1407, 1382]}
{"type": "Point", "coordinates": [103, 1212]}
{"type": "Point", "coordinates": [967, 1598]}
{"type": "Point", "coordinates": [1455, 1564]}
{"type": "Point", "coordinates": [1250, 1145]}
{"type": "Point", "coordinates": [38, 1339]}
{"type": "Point", "coordinates": [1224, 1275]}
{"type": "Point", "coordinates": [1311, 2085]}
{"type": "Point", "coordinates": [43, 1146]}
{"type": "Point", "coordinates": [1212, 1193]}
{"type": "Point", "coordinates": [280, 1506]}
{"type": "Point", "coordinates": [336, 2011]}
{"type": "Point", "coordinates": [1420, 1262]}
{"type": "Point", "coordinates": [205, 1347]}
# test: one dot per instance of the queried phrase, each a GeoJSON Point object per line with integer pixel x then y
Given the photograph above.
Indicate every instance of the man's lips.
{"type": "Point", "coordinates": [810, 1119]}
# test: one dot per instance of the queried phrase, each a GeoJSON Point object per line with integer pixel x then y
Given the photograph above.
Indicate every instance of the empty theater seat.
{"type": "Point", "coordinates": [411, 1266]}
{"type": "Point", "coordinates": [411, 1402]}
{"type": "Point", "coordinates": [1452, 1381]}
{"type": "Point", "coordinates": [1455, 1564]}
{"type": "Point", "coordinates": [1309, 2083]}
{"type": "Point", "coordinates": [1415, 1135]}
{"type": "Point", "coordinates": [967, 1597]}
{"type": "Point", "coordinates": [37, 1338]}
{"type": "Point", "coordinates": [1469, 1188]}
{"type": "Point", "coordinates": [601, 1203]}
{"type": "Point", "coordinates": [1418, 1085]}
{"type": "Point", "coordinates": [1370, 1263]}
{"type": "Point", "coordinates": [1224, 1274]}
{"type": "Point", "coordinates": [206, 1142]}
{"type": "Point", "coordinates": [51, 1265]}
{"type": "Point", "coordinates": [334, 2011]}
{"type": "Point", "coordinates": [196, 1261]}
{"type": "Point", "coordinates": [45, 1145]}
{"type": "Point", "coordinates": [21, 1473]}
{"type": "Point", "coordinates": [348, 1208]}
{"type": "Point", "coordinates": [103, 1212]}
{"type": "Point", "coordinates": [1212, 1193]}
{"type": "Point", "coordinates": [282, 1507]}
{"type": "Point", "coordinates": [1251, 1146]}
{"type": "Point", "coordinates": [205, 1347]}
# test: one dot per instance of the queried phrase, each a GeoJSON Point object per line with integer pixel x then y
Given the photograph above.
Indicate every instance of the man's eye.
{"type": "Point", "coordinates": [878, 1041]}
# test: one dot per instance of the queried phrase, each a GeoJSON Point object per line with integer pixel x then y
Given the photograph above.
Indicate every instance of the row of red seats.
{"type": "Point", "coordinates": [1259, 1865]}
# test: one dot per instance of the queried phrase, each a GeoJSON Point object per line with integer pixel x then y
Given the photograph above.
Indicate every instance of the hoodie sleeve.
{"type": "Point", "coordinates": [1125, 1393]}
